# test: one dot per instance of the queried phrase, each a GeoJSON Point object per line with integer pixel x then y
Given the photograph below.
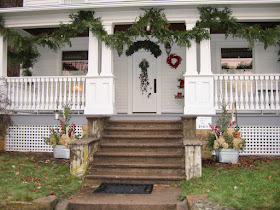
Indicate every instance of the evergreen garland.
{"type": "Point", "coordinates": [212, 18]}
{"type": "Point", "coordinates": [147, 45]}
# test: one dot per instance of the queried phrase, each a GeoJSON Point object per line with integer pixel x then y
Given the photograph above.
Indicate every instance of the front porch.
{"type": "Point", "coordinates": [251, 93]}
{"type": "Point", "coordinates": [97, 78]}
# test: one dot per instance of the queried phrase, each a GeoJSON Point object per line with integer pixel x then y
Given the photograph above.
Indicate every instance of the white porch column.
{"type": "Point", "coordinates": [3, 68]}
{"type": "Point", "coordinates": [93, 55]}
{"type": "Point", "coordinates": [100, 89]}
{"type": "Point", "coordinates": [205, 57]}
{"type": "Point", "coordinates": [199, 89]}
{"type": "Point", "coordinates": [3, 57]}
{"type": "Point", "coordinates": [191, 58]}
{"type": "Point", "coordinates": [107, 55]}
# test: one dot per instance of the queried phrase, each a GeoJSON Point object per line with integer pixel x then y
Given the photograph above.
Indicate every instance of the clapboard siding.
{"type": "Point", "coordinates": [169, 83]}
{"type": "Point", "coordinates": [41, 2]}
{"type": "Point", "coordinates": [264, 60]}
{"type": "Point", "coordinates": [49, 63]}
{"type": "Point", "coordinates": [121, 74]}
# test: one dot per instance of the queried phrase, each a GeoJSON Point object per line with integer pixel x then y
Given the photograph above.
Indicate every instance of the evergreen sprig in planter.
{"type": "Point", "coordinates": [225, 138]}
{"type": "Point", "coordinates": [63, 135]}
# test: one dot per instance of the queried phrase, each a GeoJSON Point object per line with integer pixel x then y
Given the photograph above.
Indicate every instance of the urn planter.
{"type": "Point", "coordinates": [60, 151]}
{"type": "Point", "coordinates": [227, 155]}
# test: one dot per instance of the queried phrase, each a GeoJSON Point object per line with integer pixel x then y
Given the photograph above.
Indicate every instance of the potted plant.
{"type": "Point", "coordinates": [65, 133]}
{"type": "Point", "coordinates": [225, 138]}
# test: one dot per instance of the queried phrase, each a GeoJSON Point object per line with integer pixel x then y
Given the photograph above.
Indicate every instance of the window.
{"type": "Point", "coordinates": [236, 60]}
{"type": "Point", "coordinates": [74, 62]}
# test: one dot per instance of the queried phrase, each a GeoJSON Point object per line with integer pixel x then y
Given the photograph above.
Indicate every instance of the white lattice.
{"type": "Point", "coordinates": [30, 138]}
{"type": "Point", "coordinates": [261, 140]}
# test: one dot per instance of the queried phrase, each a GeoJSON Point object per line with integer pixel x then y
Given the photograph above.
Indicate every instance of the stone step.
{"type": "Point", "coordinates": [138, 168]}
{"type": "Point", "coordinates": [145, 123]}
{"type": "Point", "coordinates": [147, 131]}
{"type": "Point", "coordinates": [143, 147]}
{"type": "Point", "coordinates": [131, 179]}
{"type": "Point", "coordinates": [143, 138]}
{"type": "Point", "coordinates": [113, 157]}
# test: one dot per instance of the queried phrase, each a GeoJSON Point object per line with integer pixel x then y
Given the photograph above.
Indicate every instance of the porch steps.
{"type": "Point", "coordinates": [133, 151]}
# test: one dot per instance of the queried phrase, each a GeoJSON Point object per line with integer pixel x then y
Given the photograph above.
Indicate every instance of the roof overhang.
{"type": "Point", "coordinates": [113, 4]}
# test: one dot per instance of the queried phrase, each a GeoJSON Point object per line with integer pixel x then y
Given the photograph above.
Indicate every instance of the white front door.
{"type": "Point", "coordinates": [144, 101]}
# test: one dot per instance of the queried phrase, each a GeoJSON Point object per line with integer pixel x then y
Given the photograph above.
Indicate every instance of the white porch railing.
{"type": "Point", "coordinates": [45, 93]}
{"type": "Point", "coordinates": [250, 92]}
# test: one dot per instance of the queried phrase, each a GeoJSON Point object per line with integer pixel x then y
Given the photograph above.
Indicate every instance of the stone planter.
{"type": "Point", "coordinates": [60, 151]}
{"type": "Point", "coordinates": [227, 155]}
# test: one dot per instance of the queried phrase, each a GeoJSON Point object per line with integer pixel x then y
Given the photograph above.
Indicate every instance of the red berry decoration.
{"type": "Point", "coordinates": [171, 64]}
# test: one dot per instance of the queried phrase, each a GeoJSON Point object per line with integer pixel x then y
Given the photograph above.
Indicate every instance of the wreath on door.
{"type": "Point", "coordinates": [170, 60]}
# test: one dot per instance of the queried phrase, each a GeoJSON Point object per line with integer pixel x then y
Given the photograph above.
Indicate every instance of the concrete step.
{"type": "Point", "coordinates": [132, 179]}
{"type": "Point", "coordinates": [143, 147]}
{"type": "Point", "coordinates": [162, 198]}
{"type": "Point", "coordinates": [147, 131]}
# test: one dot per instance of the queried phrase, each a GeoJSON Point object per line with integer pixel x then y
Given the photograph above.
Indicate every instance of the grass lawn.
{"type": "Point", "coordinates": [24, 178]}
{"type": "Point", "coordinates": [239, 187]}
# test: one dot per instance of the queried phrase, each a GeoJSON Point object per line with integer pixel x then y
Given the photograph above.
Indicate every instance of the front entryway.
{"type": "Point", "coordinates": [144, 101]}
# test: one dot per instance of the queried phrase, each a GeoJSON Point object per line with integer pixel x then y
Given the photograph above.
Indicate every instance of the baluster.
{"type": "Point", "coordinates": [215, 89]}
{"type": "Point", "coordinates": [262, 96]}
{"type": "Point", "coordinates": [65, 91]}
{"type": "Point", "coordinates": [277, 92]}
{"type": "Point", "coordinates": [272, 106]}
{"type": "Point", "coordinates": [13, 94]}
{"type": "Point", "coordinates": [257, 100]}
{"type": "Point", "coordinates": [74, 95]}
{"type": "Point", "coordinates": [39, 93]}
{"type": "Point", "coordinates": [17, 92]}
{"type": "Point", "coordinates": [69, 89]}
{"type": "Point", "coordinates": [79, 99]}
{"type": "Point", "coordinates": [52, 100]}
{"type": "Point", "coordinates": [60, 93]}
{"type": "Point", "coordinates": [246, 93]}
{"type": "Point", "coordinates": [231, 90]}
{"type": "Point", "coordinates": [43, 93]}
{"type": "Point", "coordinates": [226, 92]}
{"type": "Point", "coordinates": [221, 91]}
{"type": "Point", "coordinates": [266, 93]}
{"type": "Point", "coordinates": [21, 93]}
{"type": "Point", "coordinates": [83, 93]}
{"type": "Point", "coordinates": [251, 93]}
{"type": "Point", "coordinates": [9, 93]}
{"type": "Point", "coordinates": [56, 93]}
{"type": "Point", "coordinates": [47, 103]}
{"type": "Point", "coordinates": [30, 94]}
{"type": "Point", "coordinates": [236, 92]}
{"type": "Point", "coordinates": [241, 93]}
{"type": "Point", "coordinates": [34, 106]}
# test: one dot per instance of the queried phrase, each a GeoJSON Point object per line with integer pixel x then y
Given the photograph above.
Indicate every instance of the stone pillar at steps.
{"type": "Point", "coordinates": [193, 164]}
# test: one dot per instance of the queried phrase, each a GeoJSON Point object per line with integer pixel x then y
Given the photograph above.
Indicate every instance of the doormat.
{"type": "Point", "coordinates": [115, 188]}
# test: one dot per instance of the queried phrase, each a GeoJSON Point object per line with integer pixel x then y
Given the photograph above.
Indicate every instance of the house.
{"type": "Point", "coordinates": [96, 80]}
